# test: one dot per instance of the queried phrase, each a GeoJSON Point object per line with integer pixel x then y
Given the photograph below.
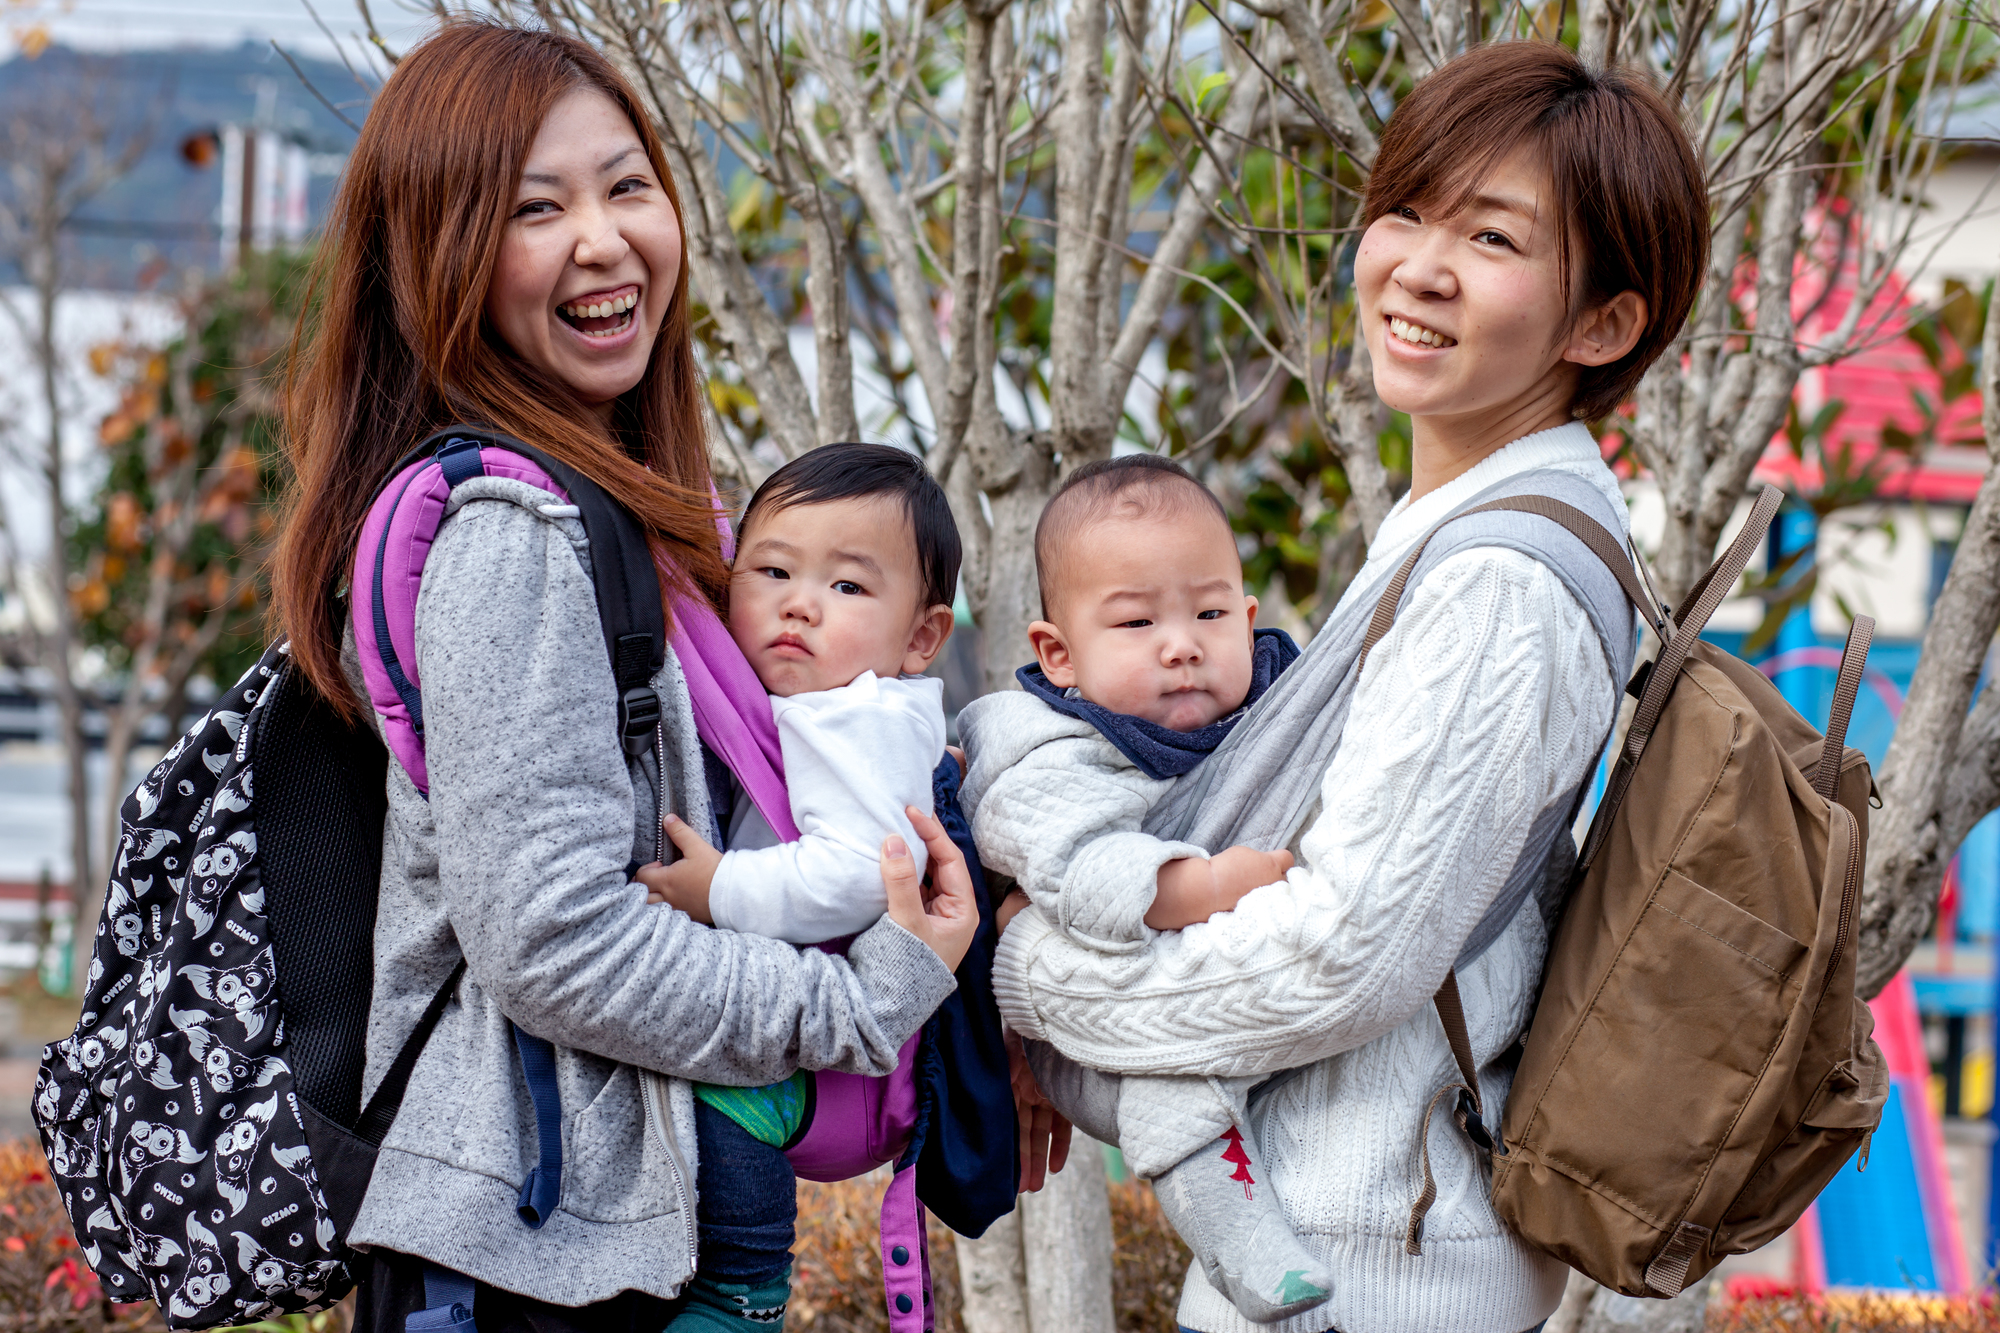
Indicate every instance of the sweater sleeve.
{"type": "Point", "coordinates": [534, 809]}
{"type": "Point", "coordinates": [1063, 819]}
{"type": "Point", "coordinates": [854, 758]}
{"type": "Point", "coordinates": [1488, 700]}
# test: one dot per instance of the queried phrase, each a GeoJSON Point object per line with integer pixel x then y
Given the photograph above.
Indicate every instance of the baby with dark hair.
{"type": "Point", "coordinates": [1146, 656]}
{"type": "Point", "coordinates": [840, 596]}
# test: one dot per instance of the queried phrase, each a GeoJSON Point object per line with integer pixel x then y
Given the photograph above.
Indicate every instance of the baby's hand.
{"type": "Point", "coordinates": [1192, 890]}
{"type": "Point", "coordinates": [1240, 869]}
{"type": "Point", "coordinates": [684, 884]}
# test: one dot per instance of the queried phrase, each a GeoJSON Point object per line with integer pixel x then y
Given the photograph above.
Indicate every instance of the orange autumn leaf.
{"type": "Point", "coordinates": [122, 519]}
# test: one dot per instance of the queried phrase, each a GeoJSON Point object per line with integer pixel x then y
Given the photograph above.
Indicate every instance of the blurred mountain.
{"type": "Point", "coordinates": [165, 207]}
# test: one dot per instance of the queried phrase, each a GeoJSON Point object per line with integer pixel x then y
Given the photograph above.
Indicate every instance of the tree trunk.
{"type": "Point", "coordinates": [58, 643]}
{"type": "Point", "coordinates": [1066, 1240]}
{"type": "Point", "coordinates": [1006, 599]}
{"type": "Point", "coordinates": [1082, 418]}
{"type": "Point", "coordinates": [1578, 1294]}
{"type": "Point", "coordinates": [1046, 1266]}
{"type": "Point", "coordinates": [1608, 1312]}
{"type": "Point", "coordinates": [1938, 756]}
{"type": "Point", "coordinates": [992, 1279]}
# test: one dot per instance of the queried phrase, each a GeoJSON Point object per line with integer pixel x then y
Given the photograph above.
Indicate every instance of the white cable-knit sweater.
{"type": "Point", "coordinates": [1487, 702]}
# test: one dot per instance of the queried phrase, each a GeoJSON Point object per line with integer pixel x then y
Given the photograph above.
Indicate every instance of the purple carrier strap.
{"type": "Point", "coordinates": [732, 712]}
{"type": "Point", "coordinates": [389, 560]}
{"type": "Point", "coordinates": [906, 1257]}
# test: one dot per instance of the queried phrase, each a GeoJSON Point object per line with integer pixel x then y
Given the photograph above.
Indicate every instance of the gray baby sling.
{"type": "Point", "coordinates": [1261, 786]}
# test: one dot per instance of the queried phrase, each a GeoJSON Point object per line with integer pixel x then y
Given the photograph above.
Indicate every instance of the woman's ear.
{"type": "Point", "coordinates": [1052, 651]}
{"type": "Point", "coordinates": [1608, 332]}
{"type": "Point", "coordinates": [927, 641]}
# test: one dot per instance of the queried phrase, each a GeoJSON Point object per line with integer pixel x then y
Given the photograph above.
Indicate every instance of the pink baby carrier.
{"type": "Point", "coordinates": [858, 1123]}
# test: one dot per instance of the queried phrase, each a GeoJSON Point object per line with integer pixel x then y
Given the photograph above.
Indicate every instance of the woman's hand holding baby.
{"type": "Point", "coordinates": [684, 884]}
{"type": "Point", "coordinates": [1191, 890]}
{"type": "Point", "coordinates": [952, 916]}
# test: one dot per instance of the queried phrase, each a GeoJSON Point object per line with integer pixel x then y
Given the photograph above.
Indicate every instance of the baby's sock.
{"type": "Point", "coordinates": [716, 1304]}
{"type": "Point", "coordinates": [1222, 1203]}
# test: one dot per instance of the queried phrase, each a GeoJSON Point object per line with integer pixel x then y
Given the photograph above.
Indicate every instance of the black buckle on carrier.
{"type": "Point", "coordinates": [638, 718]}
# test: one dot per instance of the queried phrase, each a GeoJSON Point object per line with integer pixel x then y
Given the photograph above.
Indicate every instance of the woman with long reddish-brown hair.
{"type": "Point", "coordinates": [506, 250]}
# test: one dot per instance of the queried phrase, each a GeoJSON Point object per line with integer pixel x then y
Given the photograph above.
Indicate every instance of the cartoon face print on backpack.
{"type": "Point", "coordinates": [74, 1156]}
{"type": "Point", "coordinates": [138, 844]}
{"type": "Point", "coordinates": [239, 990]}
{"type": "Point", "coordinates": [236, 1152]}
{"type": "Point", "coordinates": [48, 1098]}
{"type": "Point", "coordinates": [298, 1161]}
{"type": "Point", "coordinates": [150, 1251]}
{"type": "Point", "coordinates": [227, 1069]}
{"type": "Point", "coordinates": [154, 1064]}
{"type": "Point", "coordinates": [147, 1144]}
{"type": "Point", "coordinates": [127, 928]}
{"type": "Point", "coordinates": [207, 1279]}
{"type": "Point", "coordinates": [91, 1052]}
{"type": "Point", "coordinates": [215, 869]}
{"type": "Point", "coordinates": [275, 1276]}
{"type": "Point", "coordinates": [154, 973]}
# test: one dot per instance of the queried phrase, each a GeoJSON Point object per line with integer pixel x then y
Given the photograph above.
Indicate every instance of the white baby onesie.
{"type": "Point", "coordinates": [854, 757]}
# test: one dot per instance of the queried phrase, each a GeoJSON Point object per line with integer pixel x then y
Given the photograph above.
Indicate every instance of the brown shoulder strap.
{"type": "Point", "coordinates": [1690, 617]}
{"type": "Point", "coordinates": [1451, 1011]}
{"type": "Point", "coordinates": [1468, 1112]}
{"type": "Point", "coordinates": [1853, 659]}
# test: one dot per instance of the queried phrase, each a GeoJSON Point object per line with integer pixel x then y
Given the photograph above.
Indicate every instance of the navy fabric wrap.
{"type": "Point", "coordinates": [966, 1145]}
{"type": "Point", "coordinates": [1158, 751]}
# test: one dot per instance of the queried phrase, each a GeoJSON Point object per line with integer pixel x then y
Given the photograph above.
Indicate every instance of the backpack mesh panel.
{"type": "Point", "coordinates": [320, 806]}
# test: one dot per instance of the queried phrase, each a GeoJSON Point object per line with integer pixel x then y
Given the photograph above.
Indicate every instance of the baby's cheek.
{"type": "Point", "coordinates": [1115, 676]}
{"type": "Point", "coordinates": [1232, 668]}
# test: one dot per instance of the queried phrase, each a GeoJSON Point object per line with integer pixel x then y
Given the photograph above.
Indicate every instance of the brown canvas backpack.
{"type": "Point", "coordinates": [1698, 1066]}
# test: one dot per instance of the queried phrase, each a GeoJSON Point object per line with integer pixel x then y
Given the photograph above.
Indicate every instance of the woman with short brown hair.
{"type": "Point", "coordinates": [1536, 233]}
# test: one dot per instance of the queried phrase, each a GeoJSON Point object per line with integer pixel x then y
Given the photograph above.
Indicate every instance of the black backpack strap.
{"type": "Point", "coordinates": [381, 1110]}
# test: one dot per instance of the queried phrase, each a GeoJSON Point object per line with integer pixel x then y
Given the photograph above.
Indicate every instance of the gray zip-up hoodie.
{"type": "Point", "coordinates": [518, 860]}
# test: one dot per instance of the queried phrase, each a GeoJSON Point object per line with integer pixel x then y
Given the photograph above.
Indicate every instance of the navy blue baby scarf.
{"type": "Point", "coordinates": [1158, 751]}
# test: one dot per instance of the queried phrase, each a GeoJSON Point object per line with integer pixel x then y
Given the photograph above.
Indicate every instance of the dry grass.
{"type": "Point", "coordinates": [837, 1283]}
{"type": "Point", "coordinates": [1151, 1262]}
{"type": "Point", "coordinates": [837, 1272]}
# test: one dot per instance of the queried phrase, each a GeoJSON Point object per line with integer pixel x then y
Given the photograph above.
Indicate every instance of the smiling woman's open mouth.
{"type": "Point", "coordinates": [1411, 332]}
{"type": "Point", "coordinates": [595, 317]}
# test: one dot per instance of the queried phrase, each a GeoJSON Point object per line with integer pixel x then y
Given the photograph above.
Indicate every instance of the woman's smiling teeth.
{"type": "Point", "coordinates": [1417, 333]}
{"type": "Point", "coordinates": [600, 318]}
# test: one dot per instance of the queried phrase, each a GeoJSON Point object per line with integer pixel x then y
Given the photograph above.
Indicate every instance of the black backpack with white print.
{"type": "Point", "coordinates": [172, 1116]}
